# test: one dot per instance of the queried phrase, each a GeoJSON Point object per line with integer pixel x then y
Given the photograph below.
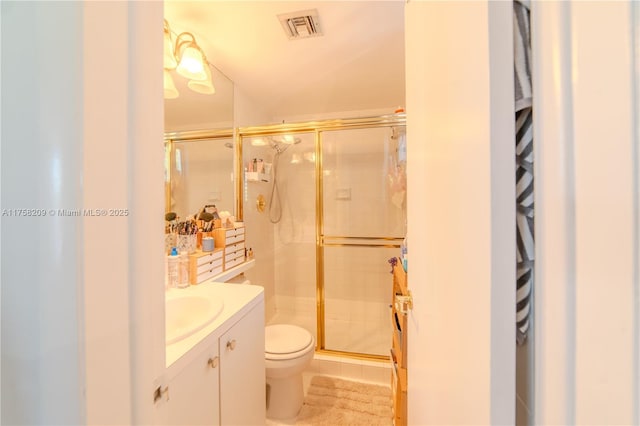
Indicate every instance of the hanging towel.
{"type": "Point", "coordinates": [524, 168]}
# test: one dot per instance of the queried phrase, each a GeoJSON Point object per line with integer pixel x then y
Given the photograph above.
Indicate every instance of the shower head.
{"type": "Point", "coordinates": [281, 144]}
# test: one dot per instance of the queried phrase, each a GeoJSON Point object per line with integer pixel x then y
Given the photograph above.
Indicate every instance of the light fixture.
{"type": "Point", "coordinates": [192, 60]}
{"type": "Point", "coordinates": [169, 57]}
{"type": "Point", "coordinates": [203, 86]}
{"type": "Point", "coordinates": [288, 139]}
{"type": "Point", "coordinates": [188, 59]}
{"type": "Point", "coordinates": [170, 91]}
{"type": "Point", "coordinates": [258, 142]}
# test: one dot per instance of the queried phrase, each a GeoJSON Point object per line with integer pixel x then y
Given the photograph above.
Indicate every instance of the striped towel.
{"type": "Point", "coordinates": [524, 168]}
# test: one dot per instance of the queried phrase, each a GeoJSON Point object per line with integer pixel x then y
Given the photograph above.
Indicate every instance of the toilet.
{"type": "Point", "coordinates": [288, 351]}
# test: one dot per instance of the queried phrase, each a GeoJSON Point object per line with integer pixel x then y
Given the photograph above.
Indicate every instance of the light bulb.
{"type": "Point", "coordinates": [191, 63]}
{"type": "Point", "coordinates": [203, 86]}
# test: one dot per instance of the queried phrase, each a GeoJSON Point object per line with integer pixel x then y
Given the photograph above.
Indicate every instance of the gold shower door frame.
{"type": "Point", "coordinates": [322, 241]}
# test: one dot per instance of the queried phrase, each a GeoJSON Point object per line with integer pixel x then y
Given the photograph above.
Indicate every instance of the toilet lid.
{"type": "Point", "coordinates": [285, 339]}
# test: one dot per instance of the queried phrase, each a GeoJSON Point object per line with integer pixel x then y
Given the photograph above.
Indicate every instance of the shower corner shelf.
{"type": "Point", "coordinates": [257, 177]}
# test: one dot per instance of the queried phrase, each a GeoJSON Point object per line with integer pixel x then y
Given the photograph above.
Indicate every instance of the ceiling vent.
{"type": "Point", "coordinates": [302, 24]}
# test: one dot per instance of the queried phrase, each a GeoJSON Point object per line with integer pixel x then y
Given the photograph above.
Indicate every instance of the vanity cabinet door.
{"type": "Point", "coordinates": [242, 371]}
{"type": "Point", "coordinates": [194, 391]}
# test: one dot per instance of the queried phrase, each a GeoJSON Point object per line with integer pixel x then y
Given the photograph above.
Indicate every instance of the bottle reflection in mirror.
{"type": "Point", "coordinates": [183, 270]}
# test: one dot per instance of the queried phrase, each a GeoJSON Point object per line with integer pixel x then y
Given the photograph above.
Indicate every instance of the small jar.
{"type": "Point", "coordinates": [207, 244]}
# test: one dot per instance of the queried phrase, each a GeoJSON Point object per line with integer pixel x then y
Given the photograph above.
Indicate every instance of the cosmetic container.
{"type": "Point", "coordinates": [172, 269]}
{"type": "Point", "coordinates": [183, 270]}
{"type": "Point", "coordinates": [207, 243]}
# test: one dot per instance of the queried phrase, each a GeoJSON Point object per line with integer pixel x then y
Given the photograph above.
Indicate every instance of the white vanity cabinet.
{"type": "Point", "coordinates": [194, 391]}
{"type": "Point", "coordinates": [218, 378]}
{"type": "Point", "coordinates": [242, 371]}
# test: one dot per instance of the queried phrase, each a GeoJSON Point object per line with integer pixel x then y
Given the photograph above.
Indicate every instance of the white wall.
{"type": "Point", "coordinates": [586, 204]}
{"type": "Point", "coordinates": [42, 310]}
{"type": "Point", "coordinates": [246, 112]}
{"type": "Point", "coordinates": [123, 168]}
{"type": "Point", "coordinates": [82, 296]}
{"type": "Point", "coordinates": [105, 237]}
{"type": "Point", "coordinates": [461, 190]}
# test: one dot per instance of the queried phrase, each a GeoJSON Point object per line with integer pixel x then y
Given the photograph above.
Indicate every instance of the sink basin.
{"type": "Point", "coordinates": [187, 314]}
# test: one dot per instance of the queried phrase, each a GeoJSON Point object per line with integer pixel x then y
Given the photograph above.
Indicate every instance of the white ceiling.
{"type": "Point", "coordinates": [358, 64]}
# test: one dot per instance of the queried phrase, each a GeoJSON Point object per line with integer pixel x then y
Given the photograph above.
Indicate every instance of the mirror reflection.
{"type": "Point", "coordinates": [198, 96]}
{"type": "Point", "coordinates": [197, 111]}
{"type": "Point", "coordinates": [198, 124]}
{"type": "Point", "coordinates": [201, 173]}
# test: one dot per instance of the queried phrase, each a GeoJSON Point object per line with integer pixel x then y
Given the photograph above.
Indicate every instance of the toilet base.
{"type": "Point", "coordinates": [285, 397]}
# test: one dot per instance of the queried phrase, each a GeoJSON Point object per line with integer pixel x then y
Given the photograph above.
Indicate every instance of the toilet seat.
{"type": "Point", "coordinates": [286, 341]}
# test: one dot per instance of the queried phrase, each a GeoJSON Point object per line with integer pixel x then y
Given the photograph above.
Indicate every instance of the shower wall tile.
{"type": "Point", "coordinates": [305, 305]}
{"type": "Point", "coordinates": [338, 309]}
{"type": "Point", "coordinates": [295, 269]}
{"type": "Point", "coordinates": [337, 334]}
{"type": "Point", "coordinates": [365, 337]}
{"type": "Point", "coordinates": [326, 367]}
{"type": "Point", "coordinates": [284, 304]}
{"type": "Point", "coordinates": [376, 372]}
{"type": "Point", "coordinates": [307, 322]}
{"type": "Point", "coordinates": [260, 238]}
{"type": "Point", "coordinates": [379, 374]}
{"type": "Point", "coordinates": [302, 306]}
{"type": "Point", "coordinates": [359, 310]}
{"type": "Point", "coordinates": [350, 370]}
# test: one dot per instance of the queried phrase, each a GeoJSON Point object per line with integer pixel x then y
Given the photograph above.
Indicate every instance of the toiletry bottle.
{"type": "Point", "coordinates": [183, 270]}
{"type": "Point", "coordinates": [404, 253]}
{"type": "Point", "coordinates": [172, 269]}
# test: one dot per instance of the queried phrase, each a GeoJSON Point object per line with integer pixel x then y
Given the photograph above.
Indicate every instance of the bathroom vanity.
{"type": "Point", "coordinates": [215, 372]}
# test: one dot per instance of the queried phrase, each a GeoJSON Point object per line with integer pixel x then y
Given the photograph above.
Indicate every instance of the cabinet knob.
{"type": "Point", "coordinates": [231, 345]}
{"type": "Point", "coordinates": [213, 362]}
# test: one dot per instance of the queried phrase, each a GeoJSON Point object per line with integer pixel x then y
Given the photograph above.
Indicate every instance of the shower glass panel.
{"type": "Point", "coordinates": [364, 221]}
{"type": "Point", "coordinates": [288, 222]}
{"type": "Point", "coordinates": [357, 297]}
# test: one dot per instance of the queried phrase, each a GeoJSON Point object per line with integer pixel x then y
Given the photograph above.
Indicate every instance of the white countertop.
{"type": "Point", "coordinates": [238, 299]}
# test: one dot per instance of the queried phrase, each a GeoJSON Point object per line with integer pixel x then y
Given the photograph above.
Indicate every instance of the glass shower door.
{"type": "Point", "coordinates": [363, 223]}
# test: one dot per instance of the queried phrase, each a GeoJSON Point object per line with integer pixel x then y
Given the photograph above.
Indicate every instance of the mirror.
{"type": "Point", "coordinates": [201, 172]}
{"type": "Point", "coordinates": [196, 111]}
{"type": "Point", "coordinates": [199, 154]}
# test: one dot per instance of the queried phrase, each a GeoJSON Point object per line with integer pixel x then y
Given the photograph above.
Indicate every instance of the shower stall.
{"type": "Point", "coordinates": [334, 213]}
